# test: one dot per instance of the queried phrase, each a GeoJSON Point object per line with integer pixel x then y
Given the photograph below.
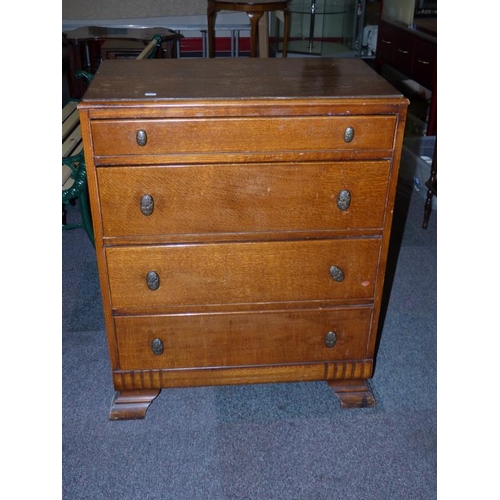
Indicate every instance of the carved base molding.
{"type": "Point", "coordinates": [137, 389]}
{"type": "Point", "coordinates": [126, 380]}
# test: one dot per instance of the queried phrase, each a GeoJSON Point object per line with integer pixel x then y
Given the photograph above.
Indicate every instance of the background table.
{"type": "Point", "coordinates": [84, 48]}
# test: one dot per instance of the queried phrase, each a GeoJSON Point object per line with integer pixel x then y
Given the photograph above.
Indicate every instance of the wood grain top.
{"type": "Point", "coordinates": [208, 79]}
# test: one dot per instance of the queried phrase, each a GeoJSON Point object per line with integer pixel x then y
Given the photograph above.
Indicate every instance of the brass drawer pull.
{"type": "Point", "coordinates": [330, 339]}
{"type": "Point", "coordinates": [147, 204]}
{"type": "Point", "coordinates": [425, 63]}
{"type": "Point", "coordinates": [387, 42]}
{"type": "Point", "coordinates": [153, 280]}
{"type": "Point", "coordinates": [141, 137]}
{"type": "Point", "coordinates": [349, 134]}
{"type": "Point", "coordinates": [344, 199]}
{"type": "Point", "coordinates": [402, 51]}
{"type": "Point", "coordinates": [337, 274]}
{"type": "Point", "coordinates": [157, 346]}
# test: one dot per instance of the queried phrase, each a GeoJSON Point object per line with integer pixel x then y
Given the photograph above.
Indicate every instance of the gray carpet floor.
{"type": "Point", "coordinates": [270, 442]}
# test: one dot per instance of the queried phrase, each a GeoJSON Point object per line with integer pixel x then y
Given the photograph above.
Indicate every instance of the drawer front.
{"type": "Point", "coordinates": [395, 47]}
{"type": "Point", "coordinates": [249, 135]}
{"type": "Point", "coordinates": [139, 201]}
{"type": "Point", "coordinates": [233, 273]}
{"type": "Point", "coordinates": [403, 52]}
{"type": "Point", "coordinates": [424, 64]}
{"type": "Point", "coordinates": [386, 42]}
{"type": "Point", "coordinates": [242, 339]}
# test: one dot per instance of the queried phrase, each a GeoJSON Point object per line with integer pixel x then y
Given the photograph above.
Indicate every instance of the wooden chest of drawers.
{"type": "Point", "coordinates": [242, 211]}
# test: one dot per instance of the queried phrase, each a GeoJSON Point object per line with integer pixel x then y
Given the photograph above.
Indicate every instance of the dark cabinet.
{"type": "Point", "coordinates": [412, 52]}
{"type": "Point", "coordinates": [408, 52]}
{"type": "Point", "coordinates": [424, 63]}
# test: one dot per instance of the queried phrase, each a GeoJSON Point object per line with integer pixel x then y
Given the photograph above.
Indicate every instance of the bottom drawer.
{"type": "Point", "coordinates": [242, 338]}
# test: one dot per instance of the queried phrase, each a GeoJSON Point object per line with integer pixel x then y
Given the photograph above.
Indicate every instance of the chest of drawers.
{"type": "Point", "coordinates": [242, 211]}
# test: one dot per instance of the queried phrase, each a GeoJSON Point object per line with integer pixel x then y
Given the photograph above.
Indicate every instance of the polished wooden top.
{"type": "Point", "coordinates": [209, 79]}
{"type": "Point", "coordinates": [425, 28]}
{"type": "Point", "coordinates": [427, 25]}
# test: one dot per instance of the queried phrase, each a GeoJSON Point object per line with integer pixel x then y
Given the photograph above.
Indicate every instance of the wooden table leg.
{"type": "Point", "coordinates": [284, 17]}
{"type": "Point", "coordinates": [254, 32]}
{"type": "Point", "coordinates": [76, 87]}
{"type": "Point", "coordinates": [264, 36]}
{"type": "Point", "coordinates": [211, 15]}
{"type": "Point", "coordinates": [286, 32]}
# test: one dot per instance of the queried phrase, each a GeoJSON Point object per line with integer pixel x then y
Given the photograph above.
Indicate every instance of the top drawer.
{"type": "Point", "coordinates": [235, 135]}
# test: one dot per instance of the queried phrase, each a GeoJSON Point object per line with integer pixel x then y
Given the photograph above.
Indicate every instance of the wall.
{"type": "Point", "coordinates": [188, 17]}
{"type": "Point", "coordinates": [173, 14]}
{"type": "Point", "coordinates": [125, 9]}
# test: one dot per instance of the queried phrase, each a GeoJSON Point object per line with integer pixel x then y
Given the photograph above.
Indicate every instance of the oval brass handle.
{"type": "Point", "coordinates": [403, 51]}
{"type": "Point", "coordinates": [387, 42]}
{"type": "Point", "coordinates": [153, 280]}
{"type": "Point", "coordinates": [337, 274]}
{"type": "Point", "coordinates": [147, 204]}
{"type": "Point", "coordinates": [141, 137]}
{"type": "Point", "coordinates": [348, 134]}
{"type": "Point", "coordinates": [330, 339]}
{"type": "Point", "coordinates": [344, 199]}
{"type": "Point", "coordinates": [423, 62]}
{"type": "Point", "coordinates": [157, 346]}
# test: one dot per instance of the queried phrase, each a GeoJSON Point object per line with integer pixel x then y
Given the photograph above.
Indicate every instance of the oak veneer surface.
{"type": "Point", "coordinates": [185, 207]}
{"type": "Point", "coordinates": [242, 212]}
{"type": "Point", "coordinates": [293, 338]}
{"type": "Point", "coordinates": [258, 134]}
{"type": "Point", "coordinates": [242, 272]}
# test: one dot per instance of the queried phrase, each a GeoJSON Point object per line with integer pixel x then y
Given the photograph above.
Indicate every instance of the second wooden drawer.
{"type": "Point", "coordinates": [245, 198]}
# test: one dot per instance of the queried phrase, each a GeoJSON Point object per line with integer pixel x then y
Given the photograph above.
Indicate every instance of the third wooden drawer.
{"type": "Point", "coordinates": [145, 277]}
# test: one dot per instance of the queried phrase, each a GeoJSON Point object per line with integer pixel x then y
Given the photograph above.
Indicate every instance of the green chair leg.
{"type": "Point", "coordinates": [78, 191]}
{"type": "Point", "coordinates": [85, 211]}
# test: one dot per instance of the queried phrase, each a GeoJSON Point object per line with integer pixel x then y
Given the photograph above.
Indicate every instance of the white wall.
{"type": "Point", "coordinates": [173, 14]}
{"type": "Point", "coordinates": [130, 9]}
